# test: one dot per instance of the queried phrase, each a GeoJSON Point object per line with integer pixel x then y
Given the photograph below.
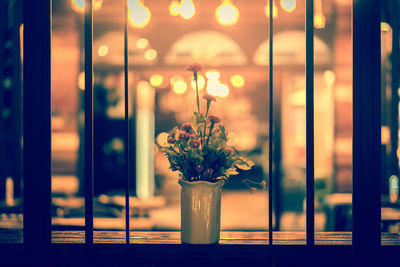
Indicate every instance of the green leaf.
{"type": "Point", "coordinates": [243, 163]}
{"type": "Point", "coordinates": [222, 134]}
{"type": "Point", "coordinates": [199, 118]}
{"type": "Point", "coordinates": [174, 132]}
{"type": "Point", "coordinates": [231, 171]}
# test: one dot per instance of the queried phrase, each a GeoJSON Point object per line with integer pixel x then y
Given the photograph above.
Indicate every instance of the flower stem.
{"type": "Point", "coordinates": [209, 134]}
{"type": "Point", "coordinates": [205, 124]}
{"type": "Point", "coordinates": [208, 107]}
{"type": "Point", "coordinates": [197, 91]}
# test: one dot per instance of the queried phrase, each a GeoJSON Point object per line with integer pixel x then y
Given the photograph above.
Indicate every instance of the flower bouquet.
{"type": "Point", "coordinates": [199, 151]}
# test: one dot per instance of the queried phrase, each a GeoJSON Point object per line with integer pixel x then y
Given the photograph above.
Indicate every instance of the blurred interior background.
{"type": "Point", "coordinates": [231, 40]}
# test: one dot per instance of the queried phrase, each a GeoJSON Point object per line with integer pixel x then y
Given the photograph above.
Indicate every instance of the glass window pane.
{"type": "Point", "coordinates": [333, 121]}
{"type": "Point", "coordinates": [68, 209]}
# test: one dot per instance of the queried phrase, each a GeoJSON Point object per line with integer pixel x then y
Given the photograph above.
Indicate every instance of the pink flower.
{"type": "Point", "coordinates": [171, 140]}
{"type": "Point", "coordinates": [214, 119]}
{"type": "Point", "coordinates": [229, 150]}
{"type": "Point", "coordinates": [195, 67]}
{"type": "Point", "coordinates": [186, 127]}
{"type": "Point", "coordinates": [217, 129]}
{"type": "Point", "coordinates": [209, 97]}
{"type": "Point", "coordinates": [183, 135]}
{"type": "Point", "coordinates": [195, 143]}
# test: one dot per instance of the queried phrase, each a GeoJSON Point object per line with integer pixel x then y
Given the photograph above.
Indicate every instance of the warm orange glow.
{"type": "Point", "coordinates": [237, 80]}
{"type": "Point", "coordinates": [329, 77]}
{"type": "Point", "coordinates": [81, 80]}
{"type": "Point", "coordinates": [298, 98]}
{"type": "Point", "coordinates": [142, 43]}
{"type": "Point", "coordinates": [174, 8]}
{"type": "Point", "coordinates": [232, 139]}
{"type": "Point", "coordinates": [79, 5]}
{"type": "Point", "coordinates": [385, 27]}
{"type": "Point", "coordinates": [139, 15]}
{"type": "Point", "coordinates": [274, 10]}
{"type": "Point", "coordinates": [156, 80]}
{"type": "Point", "coordinates": [145, 95]}
{"type": "Point", "coordinates": [319, 21]}
{"type": "Point", "coordinates": [180, 87]}
{"type": "Point", "coordinates": [319, 18]}
{"type": "Point", "coordinates": [288, 5]}
{"type": "Point", "coordinates": [150, 54]}
{"type": "Point", "coordinates": [103, 50]}
{"type": "Point", "coordinates": [227, 14]}
{"type": "Point", "coordinates": [187, 9]}
{"type": "Point", "coordinates": [201, 82]}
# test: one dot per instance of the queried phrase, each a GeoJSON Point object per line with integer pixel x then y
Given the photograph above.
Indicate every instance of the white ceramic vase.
{"type": "Point", "coordinates": [200, 211]}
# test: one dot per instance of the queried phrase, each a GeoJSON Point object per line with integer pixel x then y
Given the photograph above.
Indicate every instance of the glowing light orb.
{"type": "Point", "coordinates": [103, 50]}
{"type": "Point", "coordinates": [237, 80]}
{"type": "Point", "coordinates": [187, 9]}
{"type": "Point", "coordinates": [179, 87]}
{"type": "Point", "coordinates": [138, 14]}
{"type": "Point", "coordinates": [150, 54]}
{"type": "Point", "coordinates": [227, 14]}
{"type": "Point", "coordinates": [142, 43]}
{"type": "Point", "coordinates": [288, 5]}
{"type": "Point", "coordinates": [156, 80]}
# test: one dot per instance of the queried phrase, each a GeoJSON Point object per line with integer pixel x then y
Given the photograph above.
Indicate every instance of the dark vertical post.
{"type": "Point", "coordinates": [3, 30]}
{"type": "Point", "coordinates": [89, 172]}
{"type": "Point", "coordinates": [366, 127]}
{"type": "Point", "coordinates": [127, 163]}
{"type": "Point", "coordinates": [271, 120]}
{"type": "Point", "coordinates": [310, 121]}
{"type": "Point", "coordinates": [394, 117]}
{"type": "Point", "coordinates": [16, 105]}
{"type": "Point", "coordinates": [37, 127]}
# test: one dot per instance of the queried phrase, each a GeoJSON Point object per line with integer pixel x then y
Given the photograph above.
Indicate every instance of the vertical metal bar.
{"type": "Point", "coordinates": [271, 121]}
{"type": "Point", "coordinates": [37, 130]}
{"type": "Point", "coordinates": [16, 145]}
{"type": "Point", "coordinates": [89, 170]}
{"type": "Point", "coordinates": [394, 117]}
{"type": "Point", "coordinates": [3, 156]}
{"type": "Point", "coordinates": [310, 121]}
{"type": "Point", "coordinates": [127, 162]}
{"type": "Point", "coordinates": [366, 127]}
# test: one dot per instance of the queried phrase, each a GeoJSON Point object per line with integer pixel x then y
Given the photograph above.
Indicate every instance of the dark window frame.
{"type": "Point", "coordinates": [366, 159]}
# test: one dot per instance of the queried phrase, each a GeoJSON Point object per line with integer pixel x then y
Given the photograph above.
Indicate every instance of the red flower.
{"type": "Point", "coordinates": [195, 67]}
{"type": "Point", "coordinates": [186, 127]}
{"type": "Point", "coordinates": [214, 119]}
{"type": "Point", "coordinates": [195, 143]}
{"type": "Point", "coordinates": [171, 140]}
{"type": "Point", "coordinates": [209, 97]}
{"type": "Point", "coordinates": [183, 135]}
